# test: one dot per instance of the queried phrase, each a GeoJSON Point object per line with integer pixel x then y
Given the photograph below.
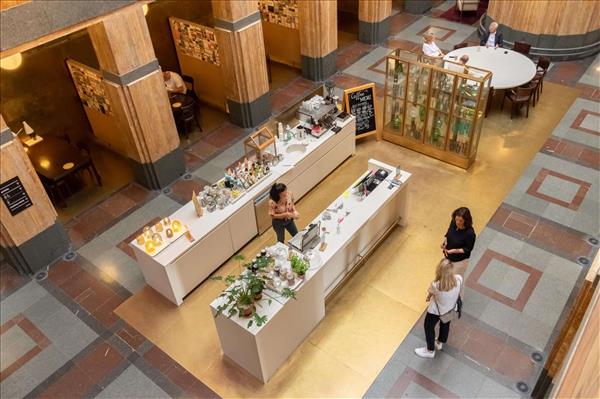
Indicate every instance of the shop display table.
{"type": "Point", "coordinates": [509, 68]}
{"type": "Point", "coordinates": [183, 265]}
{"type": "Point", "coordinates": [262, 350]}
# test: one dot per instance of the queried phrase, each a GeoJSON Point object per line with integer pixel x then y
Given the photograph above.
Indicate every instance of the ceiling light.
{"type": "Point", "coordinates": [12, 62]}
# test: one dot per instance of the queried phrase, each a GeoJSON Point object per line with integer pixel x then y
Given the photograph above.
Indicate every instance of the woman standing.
{"type": "Point", "coordinates": [282, 211]}
{"type": "Point", "coordinates": [442, 296]}
{"type": "Point", "coordinates": [459, 240]}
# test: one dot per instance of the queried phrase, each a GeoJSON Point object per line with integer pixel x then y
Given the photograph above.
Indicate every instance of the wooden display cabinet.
{"type": "Point", "coordinates": [437, 110]}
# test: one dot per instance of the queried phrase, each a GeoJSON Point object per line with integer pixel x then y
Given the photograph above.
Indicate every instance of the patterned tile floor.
{"type": "Point", "coordinates": [526, 267]}
{"type": "Point", "coordinates": [61, 338]}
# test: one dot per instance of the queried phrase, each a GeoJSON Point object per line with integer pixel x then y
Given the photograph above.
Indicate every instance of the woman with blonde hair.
{"type": "Point", "coordinates": [429, 47]}
{"type": "Point", "coordinates": [443, 295]}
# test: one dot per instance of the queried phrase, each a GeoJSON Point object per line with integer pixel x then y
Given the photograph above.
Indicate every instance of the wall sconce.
{"type": "Point", "coordinates": [11, 62]}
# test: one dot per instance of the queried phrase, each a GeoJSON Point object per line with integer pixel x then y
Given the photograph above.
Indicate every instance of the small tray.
{"type": "Point", "coordinates": [166, 240]}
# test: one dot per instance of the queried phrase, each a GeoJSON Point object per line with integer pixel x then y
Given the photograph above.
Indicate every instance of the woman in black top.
{"type": "Point", "coordinates": [459, 240]}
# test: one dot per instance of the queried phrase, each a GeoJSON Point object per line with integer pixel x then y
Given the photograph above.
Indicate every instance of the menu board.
{"type": "Point", "coordinates": [195, 40]}
{"type": "Point", "coordinates": [89, 86]}
{"type": "Point", "coordinates": [14, 196]}
{"type": "Point", "coordinates": [279, 12]}
{"type": "Point", "coordinates": [360, 102]}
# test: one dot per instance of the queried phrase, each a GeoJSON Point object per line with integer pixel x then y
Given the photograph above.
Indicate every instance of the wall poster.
{"type": "Point", "coordinates": [90, 87]}
{"type": "Point", "coordinates": [279, 12]}
{"type": "Point", "coordinates": [195, 40]}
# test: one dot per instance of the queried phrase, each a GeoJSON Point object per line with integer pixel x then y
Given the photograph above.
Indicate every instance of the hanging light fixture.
{"type": "Point", "coordinates": [11, 62]}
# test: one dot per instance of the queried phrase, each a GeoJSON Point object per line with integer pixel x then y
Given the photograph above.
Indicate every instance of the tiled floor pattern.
{"type": "Point", "coordinates": [65, 340]}
{"type": "Point", "coordinates": [524, 271]}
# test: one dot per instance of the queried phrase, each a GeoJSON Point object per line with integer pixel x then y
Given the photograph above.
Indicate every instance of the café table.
{"type": "Point", "coordinates": [55, 161]}
{"type": "Point", "coordinates": [509, 68]}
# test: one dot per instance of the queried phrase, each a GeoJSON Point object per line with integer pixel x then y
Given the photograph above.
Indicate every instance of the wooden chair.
{"type": "Point", "coordinates": [518, 97]}
{"type": "Point", "coordinates": [186, 119]}
{"type": "Point", "coordinates": [522, 47]}
{"type": "Point", "coordinates": [466, 6]}
{"type": "Point", "coordinates": [542, 68]}
{"type": "Point", "coordinates": [189, 83]}
{"type": "Point", "coordinates": [461, 45]}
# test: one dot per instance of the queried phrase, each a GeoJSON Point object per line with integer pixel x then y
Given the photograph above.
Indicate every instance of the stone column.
{"type": "Point", "coordinates": [133, 81]}
{"type": "Point", "coordinates": [33, 238]}
{"type": "Point", "coordinates": [243, 61]}
{"type": "Point", "coordinates": [317, 21]}
{"type": "Point", "coordinates": [374, 20]}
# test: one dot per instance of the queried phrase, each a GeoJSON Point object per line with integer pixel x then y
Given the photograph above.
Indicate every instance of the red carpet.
{"type": "Point", "coordinates": [469, 17]}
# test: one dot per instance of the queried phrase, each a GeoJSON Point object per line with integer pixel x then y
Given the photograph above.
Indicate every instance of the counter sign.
{"type": "Point", "coordinates": [14, 196]}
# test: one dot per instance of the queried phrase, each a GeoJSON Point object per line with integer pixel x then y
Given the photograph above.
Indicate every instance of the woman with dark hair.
{"type": "Point", "coordinates": [459, 240]}
{"type": "Point", "coordinates": [282, 211]}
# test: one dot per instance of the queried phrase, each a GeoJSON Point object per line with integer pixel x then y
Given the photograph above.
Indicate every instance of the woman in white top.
{"type": "Point", "coordinates": [429, 47]}
{"type": "Point", "coordinates": [442, 297]}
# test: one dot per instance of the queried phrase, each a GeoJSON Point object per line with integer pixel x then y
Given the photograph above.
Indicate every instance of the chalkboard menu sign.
{"type": "Point", "coordinates": [14, 196]}
{"type": "Point", "coordinates": [360, 102]}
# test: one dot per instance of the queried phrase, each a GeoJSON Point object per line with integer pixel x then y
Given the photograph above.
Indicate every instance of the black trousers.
{"type": "Point", "coordinates": [430, 321]}
{"type": "Point", "coordinates": [281, 225]}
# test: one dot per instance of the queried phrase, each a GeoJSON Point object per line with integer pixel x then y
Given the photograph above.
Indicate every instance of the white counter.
{"type": "Point", "coordinates": [183, 265]}
{"type": "Point", "coordinates": [262, 350]}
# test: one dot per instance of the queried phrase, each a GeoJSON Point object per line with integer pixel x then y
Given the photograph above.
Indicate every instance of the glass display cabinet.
{"type": "Point", "coordinates": [436, 109]}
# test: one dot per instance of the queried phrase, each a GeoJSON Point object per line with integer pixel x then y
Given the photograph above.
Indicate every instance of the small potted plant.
{"type": "Point", "coordinates": [256, 284]}
{"type": "Point", "coordinates": [245, 303]}
{"type": "Point", "coordinates": [299, 265]}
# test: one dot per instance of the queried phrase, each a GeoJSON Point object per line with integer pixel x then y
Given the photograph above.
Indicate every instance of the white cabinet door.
{"type": "Point", "coordinates": [190, 269]}
{"type": "Point", "coordinates": [242, 226]}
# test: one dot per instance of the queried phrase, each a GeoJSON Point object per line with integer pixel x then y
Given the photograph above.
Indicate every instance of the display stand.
{"type": "Point", "coordinates": [437, 110]}
{"type": "Point", "coordinates": [280, 20]}
{"type": "Point", "coordinates": [98, 106]}
{"type": "Point", "coordinates": [260, 141]}
{"type": "Point", "coordinates": [198, 54]}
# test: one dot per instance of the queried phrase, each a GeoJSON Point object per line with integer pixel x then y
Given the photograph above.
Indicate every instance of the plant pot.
{"type": "Point", "coordinates": [301, 276]}
{"type": "Point", "coordinates": [246, 310]}
{"type": "Point", "coordinates": [258, 296]}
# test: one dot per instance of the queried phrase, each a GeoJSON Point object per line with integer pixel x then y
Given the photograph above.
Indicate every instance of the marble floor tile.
{"type": "Point", "coordinates": [132, 383]}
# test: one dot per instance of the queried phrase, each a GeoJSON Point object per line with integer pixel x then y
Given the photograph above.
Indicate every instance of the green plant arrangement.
{"type": "Point", "coordinates": [244, 292]}
{"type": "Point", "coordinates": [299, 265]}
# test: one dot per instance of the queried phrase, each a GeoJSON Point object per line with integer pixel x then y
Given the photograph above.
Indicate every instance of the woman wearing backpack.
{"type": "Point", "coordinates": [443, 295]}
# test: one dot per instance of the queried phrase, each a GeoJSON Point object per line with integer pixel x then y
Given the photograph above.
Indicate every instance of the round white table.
{"type": "Point", "coordinates": [509, 68]}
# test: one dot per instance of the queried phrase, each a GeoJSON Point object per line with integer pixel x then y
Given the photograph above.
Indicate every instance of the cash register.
{"type": "Point", "coordinates": [307, 238]}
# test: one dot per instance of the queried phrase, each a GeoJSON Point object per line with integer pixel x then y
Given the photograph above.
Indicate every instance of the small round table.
{"type": "Point", "coordinates": [509, 68]}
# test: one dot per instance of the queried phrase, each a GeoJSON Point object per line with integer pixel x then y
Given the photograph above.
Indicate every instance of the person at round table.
{"type": "Point", "coordinates": [463, 59]}
{"type": "Point", "coordinates": [492, 38]}
{"type": "Point", "coordinates": [429, 47]}
{"type": "Point", "coordinates": [282, 211]}
{"type": "Point", "coordinates": [174, 83]}
{"type": "Point", "coordinates": [459, 240]}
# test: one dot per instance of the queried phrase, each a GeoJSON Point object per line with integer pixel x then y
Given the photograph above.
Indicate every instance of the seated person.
{"type": "Point", "coordinates": [429, 47]}
{"type": "Point", "coordinates": [174, 83]}
{"type": "Point", "coordinates": [459, 68]}
{"type": "Point", "coordinates": [492, 38]}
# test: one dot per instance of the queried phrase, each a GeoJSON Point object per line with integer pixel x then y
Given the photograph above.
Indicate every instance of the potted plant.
{"type": "Point", "coordinates": [299, 265]}
{"type": "Point", "coordinates": [245, 302]}
{"type": "Point", "coordinates": [256, 284]}
{"type": "Point", "coordinates": [240, 298]}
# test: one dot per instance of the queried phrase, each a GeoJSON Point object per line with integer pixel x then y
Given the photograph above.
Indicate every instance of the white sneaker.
{"type": "Point", "coordinates": [423, 352]}
{"type": "Point", "coordinates": [438, 345]}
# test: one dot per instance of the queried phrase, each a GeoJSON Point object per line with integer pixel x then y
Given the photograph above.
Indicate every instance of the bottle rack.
{"type": "Point", "coordinates": [434, 110]}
